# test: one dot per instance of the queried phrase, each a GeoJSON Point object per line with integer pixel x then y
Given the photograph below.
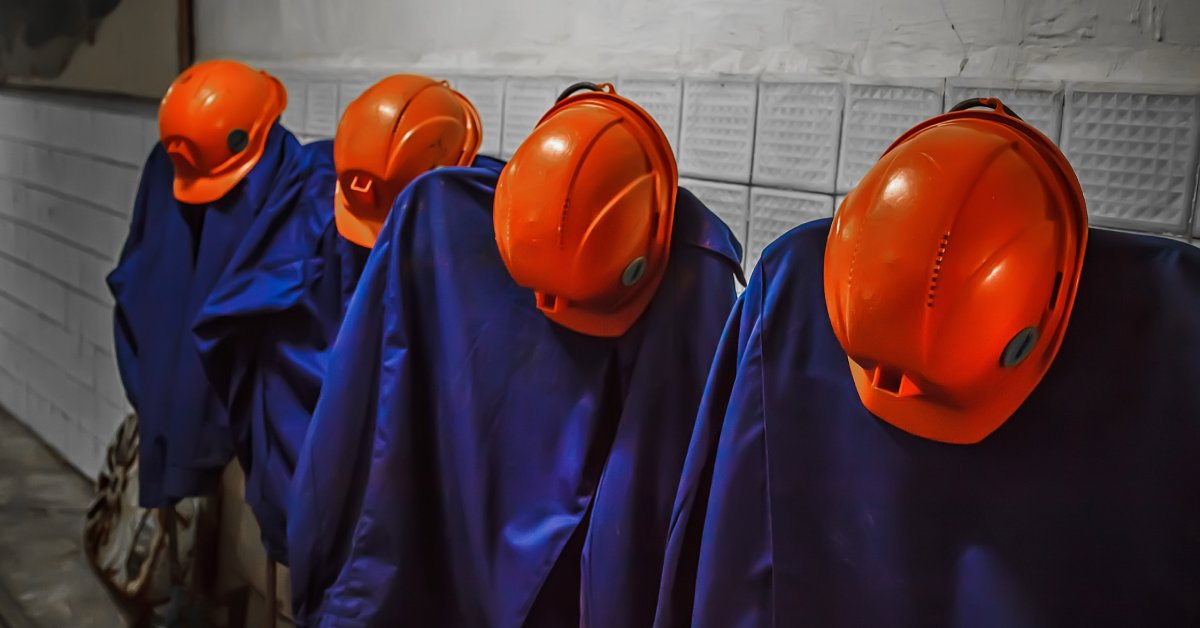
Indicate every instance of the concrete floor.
{"type": "Point", "coordinates": [45, 581]}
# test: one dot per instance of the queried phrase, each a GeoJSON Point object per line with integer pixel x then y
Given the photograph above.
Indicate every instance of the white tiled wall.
{"type": "Point", "coordinates": [819, 136]}
{"type": "Point", "coordinates": [487, 94]}
{"type": "Point", "coordinates": [661, 97]}
{"type": "Point", "coordinates": [878, 112]}
{"type": "Point", "coordinates": [1039, 103]}
{"type": "Point", "coordinates": [729, 201]}
{"type": "Point", "coordinates": [350, 87]}
{"type": "Point", "coordinates": [69, 170]}
{"type": "Point", "coordinates": [321, 106]}
{"type": "Point", "coordinates": [1134, 150]}
{"type": "Point", "coordinates": [798, 131]}
{"type": "Point", "coordinates": [525, 100]}
{"type": "Point", "coordinates": [717, 136]}
{"type": "Point", "coordinates": [775, 212]}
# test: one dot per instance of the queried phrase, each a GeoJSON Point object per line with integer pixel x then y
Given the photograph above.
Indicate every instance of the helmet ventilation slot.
{"type": "Point", "coordinates": [548, 302]}
{"type": "Point", "coordinates": [887, 380]}
{"type": "Point", "coordinates": [893, 382]}
{"type": "Point", "coordinates": [937, 269]}
{"type": "Point", "coordinates": [1055, 289]}
{"type": "Point", "coordinates": [853, 262]}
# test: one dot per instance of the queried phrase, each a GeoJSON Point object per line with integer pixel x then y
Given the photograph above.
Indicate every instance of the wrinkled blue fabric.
{"type": "Point", "coordinates": [264, 331]}
{"type": "Point", "coordinates": [266, 328]}
{"type": "Point", "coordinates": [171, 260]}
{"type": "Point", "coordinates": [470, 463]}
{"type": "Point", "coordinates": [797, 507]}
{"type": "Point", "coordinates": [355, 256]}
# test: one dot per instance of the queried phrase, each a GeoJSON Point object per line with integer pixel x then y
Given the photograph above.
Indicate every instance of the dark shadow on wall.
{"type": "Point", "coordinates": [38, 38]}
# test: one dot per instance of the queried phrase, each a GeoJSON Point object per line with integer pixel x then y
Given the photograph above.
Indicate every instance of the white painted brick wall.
{"type": "Point", "coordinates": [69, 169]}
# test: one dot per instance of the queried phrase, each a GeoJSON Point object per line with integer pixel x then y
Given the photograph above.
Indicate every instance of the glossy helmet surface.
{"type": "Point", "coordinates": [584, 210]}
{"type": "Point", "coordinates": [213, 122]}
{"type": "Point", "coordinates": [397, 129]}
{"type": "Point", "coordinates": [951, 269]}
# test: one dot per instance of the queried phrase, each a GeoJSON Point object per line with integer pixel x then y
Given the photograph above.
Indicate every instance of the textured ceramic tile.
{"type": "Point", "coordinates": [717, 132]}
{"type": "Point", "coordinates": [729, 201]}
{"type": "Point", "coordinates": [876, 114]}
{"type": "Point", "coordinates": [1135, 155]}
{"type": "Point", "coordinates": [320, 116]}
{"type": "Point", "coordinates": [662, 98]}
{"type": "Point", "coordinates": [1040, 103]}
{"type": "Point", "coordinates": [297, 92]}
{"type": "Point", "coordinates": [774, 212]}
{"type": "Point", "coordinates": [487, 94]}
{"type": "Point", "coordinates": [798, 130]}
{"type": "Point", "coordinates": [525, 101]}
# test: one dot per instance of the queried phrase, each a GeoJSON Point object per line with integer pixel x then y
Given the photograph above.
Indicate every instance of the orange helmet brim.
{"type": "Point", "coordinates": [361, 230]}
{"type": "Point", "coordinates": [201, 190]}
{"type": "Point", "coordinates": [195, 189]}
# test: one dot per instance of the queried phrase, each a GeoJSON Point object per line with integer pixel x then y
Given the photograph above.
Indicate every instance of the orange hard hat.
{"type": "Point", "coordinates": [951, 269]}
{"type": "Point", "coordinates": [213, 122]}
{"type": "Point", "coordinates": [397, 129]}
{"type": "Point", "coordinates": [584, 210]}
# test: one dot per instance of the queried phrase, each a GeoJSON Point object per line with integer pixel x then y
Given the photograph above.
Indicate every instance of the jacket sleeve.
{"type": "Point", "coordinates": [716, 570]}
{"type": "Point", "coordinates": [273, 287]}
{"type": "Point", "coordinates": [125, 342]}
{"type": "Point", "coordinates": [332, 487]}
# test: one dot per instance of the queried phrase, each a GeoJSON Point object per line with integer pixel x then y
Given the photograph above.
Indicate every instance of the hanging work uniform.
{"type": "Point", "coordinates": [470, 462]}
{"type": "Point", "coordinates": [264, 330]}
{"type": "Point", "coordinates": [355, 256]}
{"type": "Point", "coordinates": [173, 257]}
{"type": "Point", "coordinates": [798, 507]}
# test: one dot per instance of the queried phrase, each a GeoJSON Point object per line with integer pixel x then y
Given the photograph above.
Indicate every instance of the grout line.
{"type": "Point", "coordinates": [52, 279]}
{"type": "Point", "coordinates": [39, 229]}
{"type": "Point", "coordinates": [74, 380]}
{"type": "Point", "coordinates": [776, 188]}
{"type": "Point", "coordinates": [747, 229]}
{"type": "Point", "coordinates": [500, 130]}
{"type": "Point", "coordinates": [1194, 214]}
{"type": "Point", "coordinates": [74, 152]}
{"type": "Point", "coordinates": [11, 298]}
{"type": "Point", "coordinates": [841, 135]}
{"type": "Point", "coordinates": [70, 197]}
